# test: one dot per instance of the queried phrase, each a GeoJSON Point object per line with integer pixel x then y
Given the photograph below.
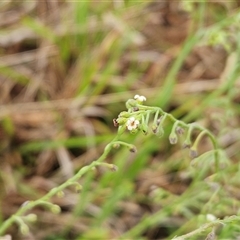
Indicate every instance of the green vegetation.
{"type": "Point", "coordinates": [81, 158]}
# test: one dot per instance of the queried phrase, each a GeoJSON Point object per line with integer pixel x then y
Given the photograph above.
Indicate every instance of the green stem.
{"type": "Point", "coordinates": [206, 226]}
{"type": "Point", "coordinates": [186, 125]}
{"type": "Point", "coordinates": [31, 204]}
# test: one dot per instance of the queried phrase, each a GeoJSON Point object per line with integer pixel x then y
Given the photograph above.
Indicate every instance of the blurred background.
{"type": "Point", "coordinates": [66, 70]}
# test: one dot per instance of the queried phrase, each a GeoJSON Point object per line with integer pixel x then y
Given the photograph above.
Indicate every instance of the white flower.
{"type": "Point", "coordinates": [132, 123]}
{"type": "Point", "coordinates": [140, 98]}
{"type": "Point", "coordinates": [210, 217]}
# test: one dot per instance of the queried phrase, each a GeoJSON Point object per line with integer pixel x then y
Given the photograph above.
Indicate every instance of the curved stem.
{"type": "Point", "coordinates": [31, 204]}
{"type": "Point", "coordinates": [206, 226]}
{"type": "Point", "coordinates": [185, 125]}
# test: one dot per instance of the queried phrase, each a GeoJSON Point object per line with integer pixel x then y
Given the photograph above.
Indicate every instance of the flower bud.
{"type": "Point", "coordinates": [121, 121]}
{"type": "Point", "coordinates": [144, 128]}
{"type": "Point", "coordinates": [24, 229]}
{"type": "Point", "coordinates": [154, 128]}
{"type": "Point", "coordinates": [78, 187]}
{"type": "Point", "coordinates": [55, 209]}
{"type": "Point", "coordinates": [116, 145]}
{"type": "Point", "coordinates": [124, 114]}
{"type": "Point", "coordinates": [139, 98]}
{"type": "Point", "coordinates": [60, 194]}
{"type": "Point", "coordinates": [31, 217]}
{"type": "Point", "coordinates": [131, 103]}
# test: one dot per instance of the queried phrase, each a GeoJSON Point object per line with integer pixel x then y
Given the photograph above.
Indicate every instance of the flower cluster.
{"type": "Point", "coordinates": [137, 116]}
{"type": "Point", "coordinates": [140, 98]}
{"type": "Point", "coordinates": [131, 119]}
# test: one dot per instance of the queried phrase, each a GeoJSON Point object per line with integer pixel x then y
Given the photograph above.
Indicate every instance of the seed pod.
{"type": "Point", "coordinates": [193, 153]}
{"type": "Point", "coordinates": [173, 138]}
{"type": "Point", "coordinates": [133, 149]}
{"type": "Point", "coordinates": [159, 133]}
{"type": "Point", "coordinates": [179, 130]}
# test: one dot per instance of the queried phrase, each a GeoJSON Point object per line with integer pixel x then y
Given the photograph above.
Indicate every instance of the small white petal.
{"type": "Point", "coordinates": [132, 123]}
{"type": "Point", "coordinates": [136, 96]}
{"type": "Point", "coordinates": [210, 217]}
{"type": "Point", "coordinates": [129, 127]}
{"type": "Point", "coordinates": [140, 98]}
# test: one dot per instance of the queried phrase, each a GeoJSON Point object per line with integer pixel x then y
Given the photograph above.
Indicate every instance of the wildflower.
{"type": "Point", "coordinates": [132, 123]}
{"type": "Point", "coordinates": [140, 98]}
{"type": "Point", "coordinates": [210, 217]}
